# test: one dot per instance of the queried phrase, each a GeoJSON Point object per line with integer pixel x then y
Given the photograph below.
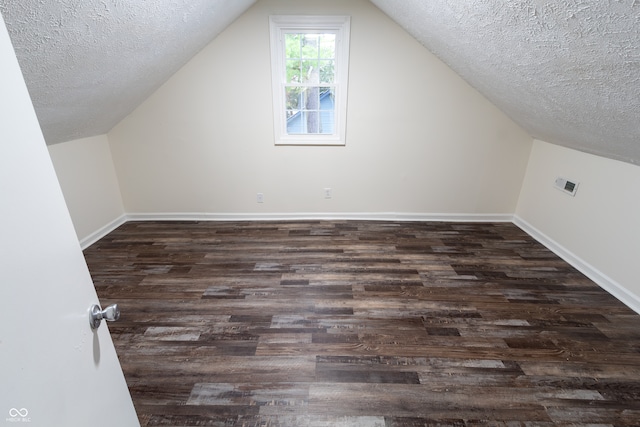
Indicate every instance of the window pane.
{"type": "Point", "coordinates": [295, 123]}
{"type": "Point", "coordinates": [293, 71]}
{"type": "Point", "coordinates": [310, 58]}
{"type": "Point", "coordinates": [310, 110]}
{"type": "Point", "coordinates": [327, 71]}
{"type": "Point", "coordinates": [310, 71]}
{"type": "Point", "coordinates": [327, 46]}
{"type": "Point", "coordinates": [313, 107]}
{"type": "Point", "coordinates": [292, 45]}
{"type": "Point", "coordinates": [293, 95]}
{"type": "Point", "coordinates": [327, 120]}
{"type": "Point", "coordinates": [313, 121]}
{"type": "Point", "coordinates": [310, 46]}
{"type": "Point", "coordinates": [327, 110]}
{"type": "Point", "coordinates": [327, 98]}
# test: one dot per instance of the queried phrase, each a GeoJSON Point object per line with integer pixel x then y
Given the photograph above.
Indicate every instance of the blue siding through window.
{"type": "Point", "coordinates": [296, 125]}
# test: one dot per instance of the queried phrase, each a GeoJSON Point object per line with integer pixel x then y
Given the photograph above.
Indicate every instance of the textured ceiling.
{"type": "Point", "coordinates": [568, 71]}
{"type": "Point", "coordinates": [89, 63]}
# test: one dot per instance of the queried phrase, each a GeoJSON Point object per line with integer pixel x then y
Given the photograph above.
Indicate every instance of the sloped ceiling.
{"type": "Point", "coordinates": [568, 71]}
{"type": "Point", "coordinates": [89, 63]}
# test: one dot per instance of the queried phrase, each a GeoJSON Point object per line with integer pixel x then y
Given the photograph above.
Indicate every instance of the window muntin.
{"type": "Point", "coordinates": [310, 83]}
{"type": "Point", "coordinates": [309, 68]}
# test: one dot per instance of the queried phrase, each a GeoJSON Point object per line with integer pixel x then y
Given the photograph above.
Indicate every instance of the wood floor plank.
{"type": "Point", "coordinates": [362, 323]}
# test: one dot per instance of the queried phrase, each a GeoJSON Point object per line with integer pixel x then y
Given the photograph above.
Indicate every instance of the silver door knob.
{"type": "Point", "coordinates": [96, 314]}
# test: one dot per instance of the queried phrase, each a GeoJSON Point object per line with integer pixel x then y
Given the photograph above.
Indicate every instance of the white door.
{"type": "Point", "coordinates": [54, 370]}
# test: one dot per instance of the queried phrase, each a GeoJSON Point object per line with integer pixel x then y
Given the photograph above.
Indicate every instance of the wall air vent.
{"type": "Point", "coordinates": [567, 186]}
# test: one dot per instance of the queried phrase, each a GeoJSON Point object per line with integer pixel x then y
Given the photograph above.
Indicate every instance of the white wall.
{"type": "Point", "coordinates": [598, 230]}
{"type": "Point", "coordinates": [88, 179]}
{"type": "Point", "coordinates": [419, 139]}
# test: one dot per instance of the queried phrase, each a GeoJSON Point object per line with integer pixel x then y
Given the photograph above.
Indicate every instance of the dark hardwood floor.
{"type": "Point", "coordinates": [354, 323]}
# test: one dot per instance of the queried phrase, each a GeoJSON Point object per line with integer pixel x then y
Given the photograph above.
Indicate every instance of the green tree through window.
{"type": "Point", "coordinates": [310, 68]}
{"type": "Point", "coordinates": [309, 63]}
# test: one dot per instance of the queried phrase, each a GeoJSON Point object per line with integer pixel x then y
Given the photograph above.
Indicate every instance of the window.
{"type": "Point", "coordinates": [309, 67]}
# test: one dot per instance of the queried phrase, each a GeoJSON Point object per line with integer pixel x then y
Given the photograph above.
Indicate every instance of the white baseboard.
{"type": "Point", "coordinates": [605, 282]}
{"type": "Point", "coordinates": [381, 216]}
{"type": "Point", "coordinates": [102, 231]}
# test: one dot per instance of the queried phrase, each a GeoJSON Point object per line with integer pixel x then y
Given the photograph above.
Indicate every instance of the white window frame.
{"type": "Point", "coordinates": [283, 24]}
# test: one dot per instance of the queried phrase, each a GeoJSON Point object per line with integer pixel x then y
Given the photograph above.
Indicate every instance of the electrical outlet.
{"type": "Point", "coordinates": [327, 193]}
{"type": "Point", "coordinates": [260, 198]}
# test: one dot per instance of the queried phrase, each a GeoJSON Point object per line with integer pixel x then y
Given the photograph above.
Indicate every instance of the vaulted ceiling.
{"type": "Point", "coordinates": [567, 71]}
{"type": "Point", "coordinates": [89, 63]}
